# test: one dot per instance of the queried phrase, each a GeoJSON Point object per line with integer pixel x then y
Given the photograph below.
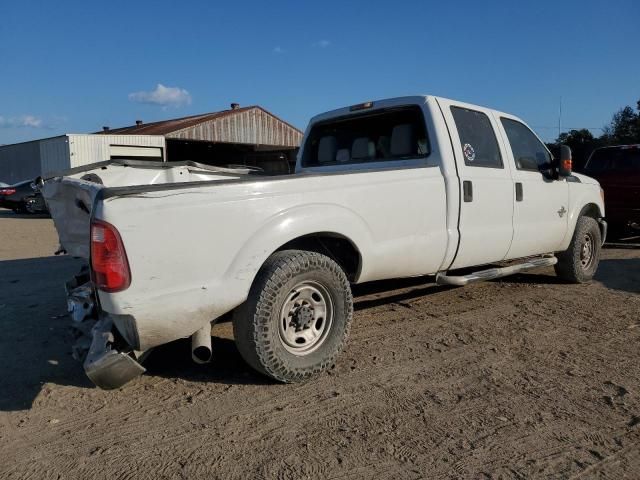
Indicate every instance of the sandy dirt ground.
{"type": "Point", "coordinates": [519, 378]}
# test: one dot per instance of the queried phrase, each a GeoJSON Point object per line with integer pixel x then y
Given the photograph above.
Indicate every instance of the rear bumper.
{"type": "Point", "coordinates": [106, 367]}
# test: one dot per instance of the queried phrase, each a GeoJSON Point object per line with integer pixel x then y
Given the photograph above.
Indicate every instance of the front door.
{"type": "Point", "coordinates": [487, 194]}
{"type": "Point", "coordinates": [541, 203]}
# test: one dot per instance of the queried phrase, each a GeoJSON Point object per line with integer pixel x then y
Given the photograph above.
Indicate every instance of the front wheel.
{"type": "Point", "coordinates": [296, 319]}
{"type": "Point", "coordinates": [578, 264]}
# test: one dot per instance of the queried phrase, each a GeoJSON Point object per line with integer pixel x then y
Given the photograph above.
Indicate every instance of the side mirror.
{"type": "Point", "coordinates": [566, 164]}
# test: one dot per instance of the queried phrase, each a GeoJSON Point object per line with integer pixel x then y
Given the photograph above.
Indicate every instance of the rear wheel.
{"type": "Point", "coordinates": [578, 264]}
{"type": "Point", "coordinates": [297, 317]}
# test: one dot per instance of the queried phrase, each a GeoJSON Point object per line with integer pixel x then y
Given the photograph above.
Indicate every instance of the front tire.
{"type": "Point", "coordinates": [297, 317]}
{"type": "Point", "coordinates": [578, 264]}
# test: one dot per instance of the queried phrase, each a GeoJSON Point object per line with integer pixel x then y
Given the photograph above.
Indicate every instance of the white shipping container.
{"type": "Point", "coordinates": [85, 149]}
{"type": "Point", "coordinates": [24, 161]}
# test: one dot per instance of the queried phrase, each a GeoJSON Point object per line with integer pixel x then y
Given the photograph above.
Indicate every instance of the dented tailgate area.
{"type": "Point", "coordinates": [70, 202]}
{"type": "Point", "coordinates": [107, 359]}
{"type": "Point", "coordinates": [106, 343]}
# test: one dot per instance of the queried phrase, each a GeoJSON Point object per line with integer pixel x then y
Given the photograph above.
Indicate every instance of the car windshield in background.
{"type": "Point", "coordinates": [384, 135]}
{"type": "Point", "coordinates": [617, 159]}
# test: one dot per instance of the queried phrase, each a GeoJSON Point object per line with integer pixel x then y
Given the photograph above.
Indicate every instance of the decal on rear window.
{"type": "Point", "coordinates": [469, 152]}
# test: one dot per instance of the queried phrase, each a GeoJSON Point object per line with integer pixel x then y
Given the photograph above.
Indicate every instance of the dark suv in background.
{"type": "Point", "coordinates": [23, 197]}
{"type": "Point", "coordinates": [618, 171]}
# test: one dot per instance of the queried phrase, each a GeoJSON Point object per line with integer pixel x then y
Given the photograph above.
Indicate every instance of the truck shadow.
{"type": "Point", "coordinates": [35, 345]}
{"type": "Point", "coordinates": [621, 274]}
{"type": "Point", "coordinates": [373, 294]}
{"type": "Point", "coordinates": [173, 360]}
{"type": "Point", "coordinates": [227, 367]}
{"type": "Point", "coordinates": [36, 340]}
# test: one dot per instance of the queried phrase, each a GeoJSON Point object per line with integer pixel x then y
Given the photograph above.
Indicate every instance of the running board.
{"type": "Point", "coordinates": [491, 273]}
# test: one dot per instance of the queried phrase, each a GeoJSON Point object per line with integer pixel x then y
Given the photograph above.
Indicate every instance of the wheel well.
{"type": "Point", "coordinates": [591, 210]}
{"type": "Point", "coordinates": [335, 246]}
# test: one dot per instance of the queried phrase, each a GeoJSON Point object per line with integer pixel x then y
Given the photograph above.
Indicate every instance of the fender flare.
{"type": "Point", "coordinates": [584, 204]}
{"type": "Point", "coordinates": [289, 225]}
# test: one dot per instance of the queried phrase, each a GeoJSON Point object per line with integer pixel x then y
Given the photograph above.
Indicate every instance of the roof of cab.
{"type": "Point", "coordinates": [396, 102]}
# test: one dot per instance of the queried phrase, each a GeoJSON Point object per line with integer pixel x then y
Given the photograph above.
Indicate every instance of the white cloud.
{"type": "Point", "coordinates": [163, 96]}
{"type": "Point", "coordinates": [322, 43]}
{"type": "Point", "coordinates": [22, 121]}
{"type": "Point", "coordinates": [278, 50]}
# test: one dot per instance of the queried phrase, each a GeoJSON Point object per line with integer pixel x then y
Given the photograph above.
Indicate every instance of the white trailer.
{"type": "Point", "coordinates": [27, 160]}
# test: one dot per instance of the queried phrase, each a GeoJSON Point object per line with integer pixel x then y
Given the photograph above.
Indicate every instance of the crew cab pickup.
{"type": "Point", "coordinates": [400, 187]}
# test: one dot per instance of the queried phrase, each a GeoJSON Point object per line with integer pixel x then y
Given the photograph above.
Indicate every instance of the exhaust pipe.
{"type": "Point", "coordinates": [201, 345]}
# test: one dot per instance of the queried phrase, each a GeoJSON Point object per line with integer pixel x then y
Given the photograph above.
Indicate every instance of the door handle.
{"type": "Point", "coordinates": [467, 191]}
{"type": "Point", "coordinates": [519, 193]}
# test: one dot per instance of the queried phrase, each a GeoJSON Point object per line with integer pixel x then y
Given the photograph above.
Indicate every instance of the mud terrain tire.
{"type": "Point", "coordinates": [578, 264]}
{"type": "Point", "coordinates": [297, 317]}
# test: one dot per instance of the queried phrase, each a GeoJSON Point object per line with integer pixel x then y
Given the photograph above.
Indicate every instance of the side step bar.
{"type": "Point", "coordinates": [491, 273]}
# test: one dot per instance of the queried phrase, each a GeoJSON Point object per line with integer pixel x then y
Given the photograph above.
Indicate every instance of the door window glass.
{"type": "Point", "coordinates": [477, 138]}
{"type": "Point", "coordinates": [528, 152]}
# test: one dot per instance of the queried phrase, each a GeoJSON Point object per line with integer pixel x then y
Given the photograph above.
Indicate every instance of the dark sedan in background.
{"type": "Point", "coordinates": [618, 171]}
{"type": "Point", "coordinates": [23, 197]}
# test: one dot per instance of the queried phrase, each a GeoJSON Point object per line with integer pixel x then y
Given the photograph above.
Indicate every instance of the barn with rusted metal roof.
{"type": "Point", "coordinates": [249, 136]}
{"type": "Point", "coordinates": [241, 135]}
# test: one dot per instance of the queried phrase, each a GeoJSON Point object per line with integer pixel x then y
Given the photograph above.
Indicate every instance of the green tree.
{"type": "Point", "coordinates": [582, 143]}
{"type": "Point", "coordinates": [624, 128]}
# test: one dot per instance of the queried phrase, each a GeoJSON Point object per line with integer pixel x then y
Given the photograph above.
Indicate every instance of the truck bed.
{"type": "Point", "coordinates": [71, 194]}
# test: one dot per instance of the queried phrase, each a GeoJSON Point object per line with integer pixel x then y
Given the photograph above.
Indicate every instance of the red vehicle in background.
{"type": "Point", "coordinates": [618, 171]}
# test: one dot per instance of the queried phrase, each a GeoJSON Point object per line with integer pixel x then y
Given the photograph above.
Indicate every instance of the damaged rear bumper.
{"type": "Point", "coordinates": [106, 365]}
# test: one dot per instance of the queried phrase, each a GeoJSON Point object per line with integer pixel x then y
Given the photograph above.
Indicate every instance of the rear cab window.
{"type": "Point", "coordinates": [614, 159]}
{"type": "Point", "coordinates": [477, 138]}
{"type": "Point", "coordinates": [387, 135]}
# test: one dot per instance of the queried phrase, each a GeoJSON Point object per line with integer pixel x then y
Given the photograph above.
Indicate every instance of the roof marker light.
{"type": "Point", "coordinates": [360, 106]}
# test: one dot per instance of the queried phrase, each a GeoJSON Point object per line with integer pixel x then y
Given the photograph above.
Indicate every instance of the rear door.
{"type": "Point", "coordinates": [541, 203]}
{"type": "Point", "coordinates": [486, 207]}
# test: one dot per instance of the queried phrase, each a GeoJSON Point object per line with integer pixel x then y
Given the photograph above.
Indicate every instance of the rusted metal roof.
{"type": "Point", "coordinates": [250, 125]}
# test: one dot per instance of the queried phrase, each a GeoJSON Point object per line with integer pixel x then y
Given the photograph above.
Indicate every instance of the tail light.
{"type": "Point", "coordinates": [7, 191]}
{"type": "Point", "coordinates": [109, 262]}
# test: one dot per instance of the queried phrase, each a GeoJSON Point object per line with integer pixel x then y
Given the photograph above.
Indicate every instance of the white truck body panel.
{"type": "Point", "coordinates": [213, 264]}
{"type": "Point", "coordinates": [490, 214]}
{"type": "Point", "coordinates": [195, 237]}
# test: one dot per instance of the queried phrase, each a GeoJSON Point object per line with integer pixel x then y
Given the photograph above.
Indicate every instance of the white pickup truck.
{"type": "Point", "coordinates": [401, 187]}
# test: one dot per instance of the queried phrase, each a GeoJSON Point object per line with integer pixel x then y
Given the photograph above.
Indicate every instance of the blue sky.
{"type": "Point", "coordinates": [73, 67]}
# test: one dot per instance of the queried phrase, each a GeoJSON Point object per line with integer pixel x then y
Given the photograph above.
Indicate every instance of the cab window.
{"type": "Point", "coordinates": [477, 138]}
{"type": "Point", "coordinates": [382, 135]}
{"type": "Point", "coordinates": [528, 152]}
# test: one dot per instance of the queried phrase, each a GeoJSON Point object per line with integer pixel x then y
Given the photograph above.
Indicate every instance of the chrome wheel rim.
{"type": "Point", "coordinates": [306, 317]}
{"type": "Point", "coordinates": [587, 251]}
